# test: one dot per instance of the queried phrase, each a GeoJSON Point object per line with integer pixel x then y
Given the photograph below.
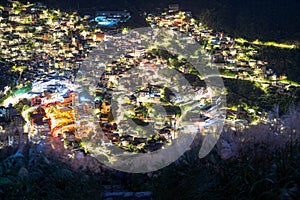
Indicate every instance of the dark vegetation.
{"type": "Point", "coordinates": [282, 61]}
{"type": "Point", "coordinates": [45, 175]}
{"type": "Point", "coordinates": [216, 179]}
{"type": "Point", "coordinates": [245, 92]}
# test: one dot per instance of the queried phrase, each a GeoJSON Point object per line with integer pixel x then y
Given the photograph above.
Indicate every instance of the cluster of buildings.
{"type": "Point", "coordinates": [45, 48]}
{"type": "Point", "coordinates": [228, 53]}
{"type": "Point", "coordinates": [138, 97]}
{"type": "Point", "coordinates": [37, 40]}
{"type": "Point", "coordinates": [117, 131]}
{"type": "Point", "coordinates": [233, 57]}
{"type": "Point", "coordinates": [53, 45]}
{"type": "Point", "coordinates": [49, 110]}
{"type": "Point", "coordinates": [218, 46]}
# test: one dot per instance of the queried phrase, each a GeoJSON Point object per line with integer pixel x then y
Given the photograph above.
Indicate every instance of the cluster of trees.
{"type": "Point", "coordinates": [282, 61]}
{"type": "Point", "coordinates": [242, 91]}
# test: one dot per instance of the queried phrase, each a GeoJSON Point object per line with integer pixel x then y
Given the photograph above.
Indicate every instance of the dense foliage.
{"type": "Point", "coordinates": [282, 61]}
{"type": "Point", "coordinates": [245, 92]}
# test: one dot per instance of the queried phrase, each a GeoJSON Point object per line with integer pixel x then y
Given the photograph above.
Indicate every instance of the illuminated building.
{"type": "Point", "coordinates": [111, 18]}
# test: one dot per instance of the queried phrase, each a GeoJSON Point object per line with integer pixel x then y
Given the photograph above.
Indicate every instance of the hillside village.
{"type": "Point", "coordinates": [46, 48]}
{"type": "Point", "coordinates": [234, 57]}
{"type": "Point", "coordinates": [71, 85]}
